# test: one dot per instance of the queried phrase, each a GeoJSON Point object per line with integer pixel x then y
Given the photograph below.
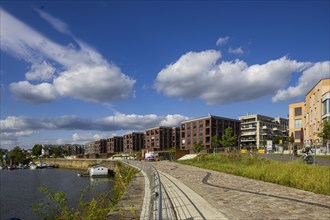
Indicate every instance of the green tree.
{"type": "Point", "coordinates": [228, 139]}
{"type": "Point", "coordinates": [36, 150]}
{"type": "Point", "coordinates": [276, 139]}
{"type": "Point", "coordinates": [215, 142]}
{"type": "Point", "coordinates": [171, 153]}
{"type": "Point", "coordinates": [198, 147]}
{"type": "Point", "coordinates": [264, 141]}
{"type": "Point", "coordinates": [57, 152]}
{"type": "Point", "coordinates": [325, 132]}
{"type": "Point", "coordinates": [17, 156]}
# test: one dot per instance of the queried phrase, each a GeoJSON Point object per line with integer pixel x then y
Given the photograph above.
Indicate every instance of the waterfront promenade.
{"type": "Point", "coordinates": [242, 198]}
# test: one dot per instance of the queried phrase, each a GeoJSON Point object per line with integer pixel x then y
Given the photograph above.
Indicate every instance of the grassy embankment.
{"type": "Point", "coordinates": [293, 174]}
{"type": "Point", "coordinates": [56, 207]}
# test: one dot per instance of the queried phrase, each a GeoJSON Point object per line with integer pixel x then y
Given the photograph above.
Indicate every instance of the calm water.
{"type": "Point", "coordinates": [19, 189]}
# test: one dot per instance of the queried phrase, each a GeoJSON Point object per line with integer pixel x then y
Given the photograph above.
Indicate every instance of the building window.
{"type": "Point", "coordinates": [297, 123]}
{"type": "Point", "coordinates": [298, 111]}
{"type": "Point", "coordinates": [326, 107]}
{"type": "Point", "coordinates": [297, 134]}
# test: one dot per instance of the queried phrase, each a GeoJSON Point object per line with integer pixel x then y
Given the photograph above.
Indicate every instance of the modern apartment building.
{"type": "Point", "coordinates": [133, 142]}
{"type": "Point", "coordinates": [160, 138]}
{"type": "Point", "coordinates": [100, 146]}
{"type": "Point", "coordinates": [314, 110]}
{"type": "Point", "coordinates": [115, 144]}
{"type": "Point", "coordinates": [297, 121]}
{"type": "Point", "coordinates": [176, 138]}
{"type": "Point", "coordinates": [203, 129]}
{"type": "Point", "coordinates": [89, 148]}
{"type": "Point", "coordinates": [255, 128]}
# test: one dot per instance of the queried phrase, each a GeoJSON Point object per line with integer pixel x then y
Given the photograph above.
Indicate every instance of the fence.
{"type": "Point", "coordinates": [152, 207]}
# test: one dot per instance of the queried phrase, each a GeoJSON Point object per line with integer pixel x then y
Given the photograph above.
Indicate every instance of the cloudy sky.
{"type": "Point", "coordinates": [73, 72]}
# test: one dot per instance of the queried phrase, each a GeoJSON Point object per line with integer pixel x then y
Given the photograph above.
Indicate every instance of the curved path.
{"type": "Point", "coordinates": [225, 196]}
{"type": "Point", "coordinates": [185, 202]}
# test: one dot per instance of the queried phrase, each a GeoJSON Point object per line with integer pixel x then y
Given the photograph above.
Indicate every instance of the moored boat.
{"type": "Point", "coordinates": [97, 171]}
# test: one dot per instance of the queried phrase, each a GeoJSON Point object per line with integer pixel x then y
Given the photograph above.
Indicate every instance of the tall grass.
{"type": "Point", "coordinates": [55, 205]}
{"type": "Point", "coordinates": [294, 174]}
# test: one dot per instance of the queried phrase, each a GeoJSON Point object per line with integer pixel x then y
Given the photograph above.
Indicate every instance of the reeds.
{"type": "Point", "coordinates": [292, 174]}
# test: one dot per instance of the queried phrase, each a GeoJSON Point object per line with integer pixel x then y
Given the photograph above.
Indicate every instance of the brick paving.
{"type": "Point", "coordinates": [243, 198]}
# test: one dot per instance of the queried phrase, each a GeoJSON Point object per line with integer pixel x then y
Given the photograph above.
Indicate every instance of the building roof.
{"type": "Point", "coordinates": [256, 115]}
{"type": "Point", "coordinates": [159, 127]}
{"type": "Point", "coordinates": [209, 116]}
{"type": "Point", "coordinates": [316, 85]}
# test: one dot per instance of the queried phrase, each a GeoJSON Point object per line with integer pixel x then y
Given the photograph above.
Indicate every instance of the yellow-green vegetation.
{"type": "Point", "coordinates": [56, 206]}
{"type": "Point", "coordinates": [293, 174]}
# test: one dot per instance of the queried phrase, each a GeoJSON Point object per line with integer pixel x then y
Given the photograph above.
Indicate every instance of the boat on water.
{"type": "Point", "coordinates": [97, 171]}
{"type": "Point", "coordinates": [32, 166]}
{"type": "Point", "coordinates": [41, 165]}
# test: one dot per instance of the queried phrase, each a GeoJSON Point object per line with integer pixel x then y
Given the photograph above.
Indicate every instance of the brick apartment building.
{"type": "Point", "coordinates": [161, 138]}
{"type": "Point", "coordinates": [115, 144]}
{"type": "Point", "coordinates": [100, 146]}
{"type": "Point", "coordinates": [203, 129]}
{"type": "Point", "coordinates": [133, 142]}
{"type": "Point", "coordinates": [176, 138]}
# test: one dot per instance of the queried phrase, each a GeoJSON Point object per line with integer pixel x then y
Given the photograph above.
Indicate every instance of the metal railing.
{"type": "Point", "coordinates": [153, 201]}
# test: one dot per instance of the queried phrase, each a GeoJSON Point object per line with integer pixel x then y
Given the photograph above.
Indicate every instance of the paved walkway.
{"type": "Point", "coordinates": [242, 198]}
{"type": "Point", "coordinates": [186, 203]}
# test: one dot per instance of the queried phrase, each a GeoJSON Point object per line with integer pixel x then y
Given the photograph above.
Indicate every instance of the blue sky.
{"type": "Point", "coordinates": [77, 71]}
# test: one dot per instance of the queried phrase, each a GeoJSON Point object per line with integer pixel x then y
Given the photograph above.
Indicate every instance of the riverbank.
{"type": "Point", "coordinates": [128, 193]}
{"type": "Point", "coordinates": [80, 163]}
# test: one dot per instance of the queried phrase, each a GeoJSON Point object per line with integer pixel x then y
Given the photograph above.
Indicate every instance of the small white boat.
{"type": "Point", "coordinates": [97, 171]}
{"type": "Point", "coordinates": [32, 166]}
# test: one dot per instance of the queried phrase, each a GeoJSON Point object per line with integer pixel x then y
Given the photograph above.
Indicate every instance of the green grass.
{"type": "Point", "coordinates": [293, 174]}
{"type": "Point", "coordinates": [55, 206]}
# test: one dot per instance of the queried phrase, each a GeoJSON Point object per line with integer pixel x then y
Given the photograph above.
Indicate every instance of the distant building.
{"type": "Point", "coordinates": [297, 121]}
{"type": "Point", "coordinates": [72, 149]}
{"type": "Point", "coordinates": [160, 138]}
{"type": "Point", "coordinates": [255, 128]}
{"type": "Point", "coordinates": [176, 138]}
{"type": "Point", "coordinates": [89, 148]}
{"type": "Point", "coordinates": [115, 144]}
{"type": "Point", "coordinates": [310, 114]}
{"type": "Point", "coordinates": [100, 146]}
{"type": "Point", "coordinates": [133, 142]}
{"type": "Point", "coordinates": [203, 129]}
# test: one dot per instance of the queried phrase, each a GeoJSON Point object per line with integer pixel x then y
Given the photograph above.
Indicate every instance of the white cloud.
{"type": "Point", "coordinates": [40, 71]}
{"type": "Point", "coordinates": [99, 80]}
{"type": "Point", "coordinates": [198, 75]}
{"type": "Point", "coordinates": [222, 41]}
{"type": "Point", "coordinates": [186, 77]}
{"type": "Point", "coordinates": [309, 78]}
{"type": "Point", "coordinates": [56, 23]}
{"type": "Point", "coordinates": [105, 83]}
{"type": "Point", "coordinates": [14, 127]}
{"type": "Point", "coordinates": [173, 120]}
{"type": "Point", "coordinates": [86, 137]}
{"type": "Point", "coordinates": [69, 122]}
{"type": "Point", "coordinates": [40, 93]}
{"type": "Point", "coordinates": [237, 51]}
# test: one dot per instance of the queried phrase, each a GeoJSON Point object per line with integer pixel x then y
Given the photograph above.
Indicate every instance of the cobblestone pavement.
{"type": "Point", "coordinates": [243, 198]}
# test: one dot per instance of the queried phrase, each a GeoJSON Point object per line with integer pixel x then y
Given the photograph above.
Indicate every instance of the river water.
{"type": "Point", "coordinates": [19, 189]}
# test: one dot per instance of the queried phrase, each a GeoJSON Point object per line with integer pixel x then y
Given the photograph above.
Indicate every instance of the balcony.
{"type": "Point", "coordinates": [248, 133]}
{"type": "Point", "coordinates": [248, 139]}
{"type": "Point", "coordinates": [248, 122]}
{"type": "Point", "coordinates": [253, 127]}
